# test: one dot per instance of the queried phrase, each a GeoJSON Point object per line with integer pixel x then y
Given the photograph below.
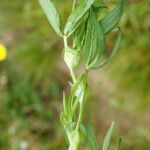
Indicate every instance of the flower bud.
{"type": "Point", "coordinates": [71, 57]}
{"type": "Point", "coordinates": [74, 140]}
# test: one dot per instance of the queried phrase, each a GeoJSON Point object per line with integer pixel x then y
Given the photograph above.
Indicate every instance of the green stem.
{"type": "Point", "coordinates": [65, 41]}
{"type": "Point", "coordinates": [80, 116]}
{"type": "Point", "coordinates": [71, 70]}
{"type": "Point", "coordinates": [73, 75]}
{"type": "Point", "coordinates": [81, 109]}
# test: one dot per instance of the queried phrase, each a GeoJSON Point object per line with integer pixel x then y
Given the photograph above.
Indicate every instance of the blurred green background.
{"type": "Point", "coordinates": [34, 75]}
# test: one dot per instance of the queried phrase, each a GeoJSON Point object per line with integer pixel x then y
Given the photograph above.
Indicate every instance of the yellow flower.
{"type": "Point", "coordinates": [3, 52]}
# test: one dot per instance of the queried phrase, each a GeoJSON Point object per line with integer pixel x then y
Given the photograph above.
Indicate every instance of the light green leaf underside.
{"type": "Point", "coordinates": [52, 15]}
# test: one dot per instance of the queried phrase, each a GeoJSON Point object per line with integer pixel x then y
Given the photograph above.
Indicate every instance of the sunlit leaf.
{"type": "Point", "coordinates": [76, 15]}
{"type": "Point", "coordinates": [52, 15]}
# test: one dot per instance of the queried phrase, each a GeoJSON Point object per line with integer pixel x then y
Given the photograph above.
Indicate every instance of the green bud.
{"type": "Point", "coordinates": [76, 137]}
{"type": "Point", "coordinates": [74, 140]}
{"type": "Point", "coordinates": [71, 57]}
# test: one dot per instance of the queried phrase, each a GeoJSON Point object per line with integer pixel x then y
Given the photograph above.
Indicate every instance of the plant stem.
{"type": "Point", "coordinates": [80, 116]}
{"type": "Point", "coordinates": [72, 73]}
{"type": "Point", "coordinates": [65, 41]}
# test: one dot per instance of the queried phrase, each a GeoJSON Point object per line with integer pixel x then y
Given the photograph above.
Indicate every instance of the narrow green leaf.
{"type": "Point", "coordinates": [112, 18]}
{"type": "Point", "coordinates": [79, 37]}
{"type": "Point", "coordinates": [91, 138]}
{"type": "Point", "coordinates": [107, 137]}
{"type": "Point", "coordinates": [76, 15]}
{"type": "Point", "coordinates": [114, 50]}
{"type": "Point", "coordinates": [88, 43]}
{"type": "Point", "coordinates": [94, 40]}
{"type": "Point", "coordinates": [52, 15]}
{"type": "Point", "coordinates": [118, 147]}
{"type": "Point", "coordinates": [100, 37]}
{"type": "Point", "coordinates": [72, 99]}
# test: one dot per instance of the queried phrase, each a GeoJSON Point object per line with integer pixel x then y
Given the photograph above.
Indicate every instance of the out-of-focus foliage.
{"type": "Point", "coordinates": [133, 71]}
{"type": "Point", "coordinates": [29, 81]}
{"type": "Point", "coordinates": [33, 76]}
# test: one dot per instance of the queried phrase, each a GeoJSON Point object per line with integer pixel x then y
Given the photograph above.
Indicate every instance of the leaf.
{"type": "Point", "coordinates": [76, 15]}
{"type": "Point", "coordinates": [108, 136]}
{"type": "Point", "coordinates": [99, 8]}
{"type": "Point", "coordinates": [89, 38]}
{"type": "Point", "coordinates": [79, 88]}
{"type": "Point", "coordinates": [79, 37]}
{"type": "Point", "coordinates": [114, 50]}
{"type": "Point", "coordinates": [72, 99]}
{"type": "Point", "coordinates": [118, 147]}
{"type": "Point", "coordinates": [52, 15]}
{"type": "Point", "coordinates": [94, 40]}
{"type": "Point", "coordinates": [82, 131]}
{"type": "Point", "coordinates": [91, 138]}
{"type": "Point", "coordinates": [65, 105]}
{"type": "Point", "coordinates": [112, 18]}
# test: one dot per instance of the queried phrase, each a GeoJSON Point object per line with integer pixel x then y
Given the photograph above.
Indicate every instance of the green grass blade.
{"type": "Point", "coordinates": [52, 15]}
{"type": "Point", "coordinates": [112, 18]}
{"type": "Point", "coordinates": [91, 138]}
{"type": "Point", "coordinates": [114, 50]}
{"type": "Point", "coordinates": [76, 15]}
{"type": "Point", "coordinates": [107, 137]}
